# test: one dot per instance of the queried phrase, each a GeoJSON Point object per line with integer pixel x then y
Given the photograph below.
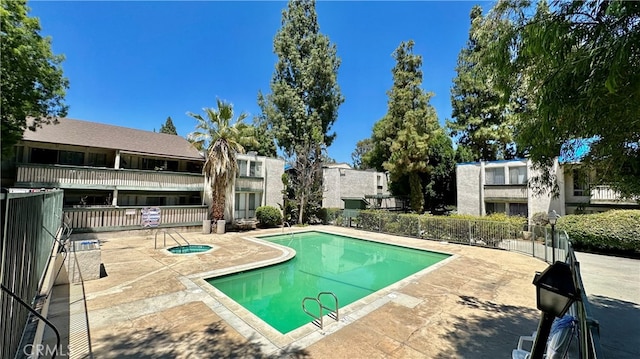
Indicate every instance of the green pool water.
{"type": "Point", "coordinates": [351, 268]}
{"type": "Point", "coordinates": [192, 248]}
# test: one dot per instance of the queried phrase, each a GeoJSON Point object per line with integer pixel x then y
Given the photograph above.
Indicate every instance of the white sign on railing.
{"type": "Point", "coordinates": [150, 217]}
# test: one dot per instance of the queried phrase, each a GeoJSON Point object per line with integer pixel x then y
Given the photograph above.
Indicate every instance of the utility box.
{"type": "Point", "coordinates": [84, 260]}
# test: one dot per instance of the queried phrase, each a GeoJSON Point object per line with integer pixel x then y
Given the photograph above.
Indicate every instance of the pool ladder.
{"type": "Point", "coordinates": [165, 232]}
{"type": "Point", "coordinates": [318, 320]}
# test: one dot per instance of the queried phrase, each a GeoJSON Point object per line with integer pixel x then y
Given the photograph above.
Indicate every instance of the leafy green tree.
{"type": "Point", "coordinates": [581, 59]}
{"type": "Point", "coordinates": [363, 147]}
{"type": "Point", "coordinates": [32, 82]}
{"type": "Point", "coordinates": [221, 136]}
{"type": "Point", "coordinates": [408, 140]}
{"type": "Point", "coordinates": [463, 154]}
{"type": "Point", "coordinates": [262, 140]}
{"type": "Point", "coordinates": [481, 121]}
{"type": "Point", "coordinates": [168, 127]}
{"type": "Point", "coordinates": [304, 99]}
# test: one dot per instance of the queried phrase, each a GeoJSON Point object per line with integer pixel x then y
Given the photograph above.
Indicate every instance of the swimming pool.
{"type": "Point", "coordinates": [191, 248]}
{"type": "Point", "coordinates": [349, 267]}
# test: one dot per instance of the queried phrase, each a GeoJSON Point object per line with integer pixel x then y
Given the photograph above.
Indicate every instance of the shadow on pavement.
{"type": "Point", "coordinates": [619, 326]}
{"type": "Point", "coordinates": [211, 342]}
{"type": "Point", "coordinates": [493, 335]}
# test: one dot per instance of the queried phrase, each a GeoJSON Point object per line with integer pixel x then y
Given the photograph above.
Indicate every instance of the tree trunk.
{"type": "Point", "coordinates": [217, 203]}
{"type": "Point", "coordinates": [301, 210]}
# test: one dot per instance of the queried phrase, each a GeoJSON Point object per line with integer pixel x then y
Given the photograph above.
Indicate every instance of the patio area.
{"type": "Point", "coordinates": [152, 304]}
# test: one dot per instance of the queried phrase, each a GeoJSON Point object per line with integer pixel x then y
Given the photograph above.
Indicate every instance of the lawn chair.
{"type": "Point", "coordinates": [562, 332]}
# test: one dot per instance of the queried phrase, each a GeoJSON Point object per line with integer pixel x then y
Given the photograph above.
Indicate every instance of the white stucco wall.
{"type": "Point", "coordinates": [331, 188]}
{"type": "Point", "coordinates": [544, 201]}
{"type": "Point", "coordinates": [274, 169]}
{"type": "Point", "coordinates": [468, 188]}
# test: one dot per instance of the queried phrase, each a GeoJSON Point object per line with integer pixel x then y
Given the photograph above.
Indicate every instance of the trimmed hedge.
{"type": "Point", "coordinates": [269, 216]}
{"type": "Point", "coordinates": [616, 231]}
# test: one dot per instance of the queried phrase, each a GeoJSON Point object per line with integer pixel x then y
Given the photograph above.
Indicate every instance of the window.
{"type": "Point", "coordinates": [246, 204]}
{"type": "Point", "coordinates": [242, 168]}
{"type": "Point", "coordinates": [72, 158]}
{"type": "Point", "coordinates": [43, 155]}
{"type": "Point", "coordinates": [194, 167]}
{"type": "Point", "coordinates": [97, 159]}
{"type": "Point", "coordinates": [156, 201]}
{"type": "Point", "coordinates": [518, 209]}
{"type": "Point", "coordinates": [379, 181]}
{"type": "Point", "coordinates": [152, 164]}
{"type": "Point", "coordinates": [580, 184]}
{"type": "Point", "coordinates": [495, 208]}
{"type": "Point", "coordinates": [494, 175]}
{"type": "Point", "coordinates": [518, 175]}
{"type": "Point", "coordinates": [172, 166]}
{"type": "Point", "coordinates": [255, 169]}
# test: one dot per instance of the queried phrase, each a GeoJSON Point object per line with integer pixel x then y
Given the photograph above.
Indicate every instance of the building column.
{"type": "Point", "coordinates": [507, 178]}
{"type": "Point", "coordinates": [482, 180]}
{"type": "Point", "coordinates": [114, 200]}
{"type": "Point", "coordinates": [116, 165]}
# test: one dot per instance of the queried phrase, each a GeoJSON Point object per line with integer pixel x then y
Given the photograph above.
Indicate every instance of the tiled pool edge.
{"type": "Point", "coordinates": [273, 342]}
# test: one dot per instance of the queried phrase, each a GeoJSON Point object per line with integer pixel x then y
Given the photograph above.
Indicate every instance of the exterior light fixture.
{"type": "Point", "coordinates": [555, 292]}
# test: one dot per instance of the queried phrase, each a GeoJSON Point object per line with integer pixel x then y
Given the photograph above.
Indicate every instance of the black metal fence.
{"type": "Point", "coordinates": [537, 241]}
{"type": "Point", "coordinates": [30, 224]}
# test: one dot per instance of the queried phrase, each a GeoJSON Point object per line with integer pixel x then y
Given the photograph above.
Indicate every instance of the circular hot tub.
{"type": "Point", "coordinates": [192, 248]}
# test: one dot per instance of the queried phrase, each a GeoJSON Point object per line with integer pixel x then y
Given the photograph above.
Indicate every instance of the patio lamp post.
{"type": "Point", "coordinates": [553, 218]}
{"type": "Point", "coordinates": [555, 292]}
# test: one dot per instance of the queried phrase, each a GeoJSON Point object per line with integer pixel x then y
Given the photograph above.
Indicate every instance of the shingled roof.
{"type": "Point", "coordinates": [92, 134]}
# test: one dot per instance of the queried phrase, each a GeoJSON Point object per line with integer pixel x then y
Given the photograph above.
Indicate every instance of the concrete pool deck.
{"type": "Point", "coordinates": [153, 304]}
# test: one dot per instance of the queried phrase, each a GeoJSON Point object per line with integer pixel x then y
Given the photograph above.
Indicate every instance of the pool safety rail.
{"type": "Point", "coordinates": [170, 232]}
{"type": "Point", "coordinates": [332, 313]}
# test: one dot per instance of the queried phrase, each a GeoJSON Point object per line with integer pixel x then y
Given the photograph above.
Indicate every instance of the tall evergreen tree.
{"type": "Point", "coordinates": [408, 140]}
{"type": "Point", "coordinates": [168, 127]}
{"type": "Point", "coordinates": [304, 99]}
{"type": "Point", "coordinates": [480, 118]}
{"type": "Point", "coordinates": [363, 147]}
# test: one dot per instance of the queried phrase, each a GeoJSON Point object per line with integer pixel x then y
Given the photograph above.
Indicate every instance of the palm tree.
{"type": "Point", "coordinates": [221, 137]}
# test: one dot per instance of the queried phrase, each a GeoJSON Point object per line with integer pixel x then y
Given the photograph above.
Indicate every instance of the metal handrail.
{"type": "Point", "coordinates": [321, 306]}
{"type": "Point", "coordinates": [337, 316]}
{"type": "Point", "coordinates": [589, 328]}
{"type": "Point", "coordinates": [35, 312]}
{"type": "Point", "coordinates": [318, 318]}
{"type": "Point", "coordinates": [165, 232]}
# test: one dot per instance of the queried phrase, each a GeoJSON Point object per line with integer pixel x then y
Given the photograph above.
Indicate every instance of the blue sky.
{"type": "Point", "coordinates": [134, 64]}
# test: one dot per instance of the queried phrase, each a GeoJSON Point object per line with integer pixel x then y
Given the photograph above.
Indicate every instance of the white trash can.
{"type": "Point", "coordinates": [220, 226]}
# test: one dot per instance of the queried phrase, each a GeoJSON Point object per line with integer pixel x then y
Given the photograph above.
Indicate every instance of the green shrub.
{"type": "Point", "coordinates": [269, 216]}
{"type": "Point", "coordinates": [616, 231]}
{"type": "Point", "coordinates": [328, 215]}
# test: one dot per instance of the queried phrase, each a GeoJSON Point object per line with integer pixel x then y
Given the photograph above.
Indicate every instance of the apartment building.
{"type": "Point", "coordinates": [503, 186]}
{"type": "Point", "coordinates": [341, 182]}
{"type": "Point", "coordinates": [105, 170]}
{"type": "Point", "coordinates": [105, 165]}
{"type": "Point", "coordinates": [258, 183]}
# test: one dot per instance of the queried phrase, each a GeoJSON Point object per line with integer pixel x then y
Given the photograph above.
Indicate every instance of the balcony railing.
{"type": "Point", "coordinates": [606, 194]}
{"type": "Point", "coordinates": [104, 219]}
{"type": "Point", "coordinates": [505, 191]}
{"type": "Point", "coordinates": [36, 175]}
{"type": "Point", "coordinates": [252, 184]}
